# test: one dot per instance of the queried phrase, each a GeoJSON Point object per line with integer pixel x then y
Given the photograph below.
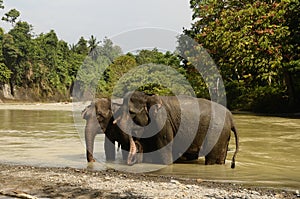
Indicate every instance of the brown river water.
{"type": "Point", "coordinates": [48, 136]}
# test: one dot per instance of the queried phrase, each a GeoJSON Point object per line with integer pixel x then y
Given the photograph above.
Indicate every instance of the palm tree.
{"type": "Point", "coordinates": [93, 44]}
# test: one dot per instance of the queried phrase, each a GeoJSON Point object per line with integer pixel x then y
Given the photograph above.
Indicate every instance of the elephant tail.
{"type": "Point", "coordinates": [233, 128]}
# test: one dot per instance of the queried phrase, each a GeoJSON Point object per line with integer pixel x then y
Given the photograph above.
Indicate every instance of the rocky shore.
{"type": "Point", "coordinates": [39, 182]}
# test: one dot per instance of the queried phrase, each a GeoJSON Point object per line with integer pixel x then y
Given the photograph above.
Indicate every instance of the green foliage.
{"type": "Point", "coordinates": [92, 76]}
{"type": "Point", "coordinates": [255, 45]}
{"type": "Point", "coordinates": [116, 70]}
{"type": "Point", "coordinates": [93, 43]}
{"type": "Point", "coordinates": [44, 67]}
{"type": "Point", "coordinates": [1, 4]}
{"type": "Point", "coordinates": [39, 68]}
{"type": "Point", "coordinates": [108, 50]}
{"type": "Point", "coordinates": [150, 71]}
{"type": "Point", "coordinates": [160, 79]}
{"type": "Point", "coordinates": [11, 16]}
{"type": "Point", "coordinates": [269, 100]}
{"type": "Point", "coordinates": [5, 73]}
{"type": "Point", "coordinates": [106, 72]}
{"type": "Point", "coordinates": [81, 47]}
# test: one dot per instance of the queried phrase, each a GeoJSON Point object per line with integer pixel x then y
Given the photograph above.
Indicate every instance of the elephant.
{"type": "Point", "coordinates": [156, 122]}
{"type": "Point", "coordinates": [98, 116]}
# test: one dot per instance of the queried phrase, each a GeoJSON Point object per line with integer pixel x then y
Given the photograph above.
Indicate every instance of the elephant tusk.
{"type": "Point", "coordinates": [131, 160]}
{"type": "Point", "coordinates": [117, 120]}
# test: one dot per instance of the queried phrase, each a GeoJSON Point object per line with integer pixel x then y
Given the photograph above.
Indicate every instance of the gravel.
{"type": "Point", "coordinates": [39, 182]}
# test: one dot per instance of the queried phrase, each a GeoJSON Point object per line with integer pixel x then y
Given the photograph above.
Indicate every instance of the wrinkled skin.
{"type": "Point", "coordinates": [144, 109]}
{"type": "Point", "coordinates": [99, 116]}
{"type": "Point", "coordinates": [92, 128]}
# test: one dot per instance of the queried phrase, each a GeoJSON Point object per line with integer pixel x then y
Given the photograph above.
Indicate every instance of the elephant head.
{"type": "Point", "coordinates": [142, 118]}
{"type": "Point", "coordinates": [105, 108]}
{"type": "Point", "coordinates": [99, 120]}
{"type": "Point", "coordinates": [103, 112]}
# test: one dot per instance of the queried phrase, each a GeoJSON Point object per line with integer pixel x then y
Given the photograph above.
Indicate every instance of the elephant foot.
{"type": "Point", "coordinates": [190, 156]}
{"type": "Point", "coordinates": [211, 162]}
{"type": "Point", "coordinates": [91, 159]}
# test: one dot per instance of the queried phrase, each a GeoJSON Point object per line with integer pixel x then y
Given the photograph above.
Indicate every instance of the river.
{"type": "Point", "coordinates": [47, 136]}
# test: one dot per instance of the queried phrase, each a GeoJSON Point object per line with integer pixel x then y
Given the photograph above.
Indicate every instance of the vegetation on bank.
{"type": "Point", "coordinates": [255, 45]}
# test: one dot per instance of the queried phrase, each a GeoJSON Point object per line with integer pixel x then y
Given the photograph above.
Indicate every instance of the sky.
{"type": "Point", "coordinates": [128, 20]}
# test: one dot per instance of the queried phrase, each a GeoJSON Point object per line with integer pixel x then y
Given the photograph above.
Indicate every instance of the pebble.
{"type": "Point", "coordinates": [107, 178]}
{"type": "Point", "coordinates": [255, 193]}
{"type": "Point", "coordinates": [199, 180]}
{"type": "Point", "coordinates": [189, 186]}
{"type": "Point", "coordinates": [175, 182]}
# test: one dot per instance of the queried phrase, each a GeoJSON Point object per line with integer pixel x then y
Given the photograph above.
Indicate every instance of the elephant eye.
{"type": "Point", "coordinates": [131, 113]}
{"type": "Point", "coordinates": [100, 115]}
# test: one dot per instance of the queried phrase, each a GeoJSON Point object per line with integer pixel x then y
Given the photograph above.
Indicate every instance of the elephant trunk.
{"type": "Point", "coordinates": [90, 134]}
{"type": "Point", "coordinates": [131, 160]}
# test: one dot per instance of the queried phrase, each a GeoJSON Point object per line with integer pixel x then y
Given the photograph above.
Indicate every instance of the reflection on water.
{"type": "Point", "coordinates": [269, 148]}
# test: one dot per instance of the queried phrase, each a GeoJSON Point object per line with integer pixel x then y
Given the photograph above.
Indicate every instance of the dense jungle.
{"type": "Point", "coordinates": [255, 45]}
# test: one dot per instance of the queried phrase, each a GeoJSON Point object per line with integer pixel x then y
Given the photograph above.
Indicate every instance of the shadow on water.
{"type": "Point", "coordinates": [269, 148]}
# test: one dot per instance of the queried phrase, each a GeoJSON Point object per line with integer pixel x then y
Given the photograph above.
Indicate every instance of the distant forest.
{"type": "Point", "coordinates": [255, 45]}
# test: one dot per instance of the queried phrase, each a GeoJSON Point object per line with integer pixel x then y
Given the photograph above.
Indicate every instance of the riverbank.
{"type": "Point", "coordinates": [62, 106]}
{"type": "Point", "coordinates": [70, 106]}
{"type": "Point", "coordinates": [41, 182]}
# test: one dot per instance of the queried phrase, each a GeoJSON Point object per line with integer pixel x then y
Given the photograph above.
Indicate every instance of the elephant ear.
{"type": "Point", "coordinates": [86, 112]}
{"type": "Point", "coordinates": [154, 103]}
{"type": "Point", "coordinates": [116, 104]}
{"type": "Point", "coordinates": [103, 107]}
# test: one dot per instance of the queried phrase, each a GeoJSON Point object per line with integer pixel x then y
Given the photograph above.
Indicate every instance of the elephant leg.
{"type": "Point", "coordinates": [166, 155]}
{"type": "Point", "coordinates": [109, 148]}
{"type": "Point", "coordinates": [163, 150]}
{"type": "Point", "coordinates": [140, 151]}
{"type": "Point", "coordinates": [219, 152]}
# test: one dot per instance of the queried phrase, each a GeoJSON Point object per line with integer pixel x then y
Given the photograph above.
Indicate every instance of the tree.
{"type": "Point", "coordinates": [93, 47]}
{"type": "Point", "coordinates": [93, 43]}
{"type": "Point", "coordinates": [114, 73]}
{"type": "Point", "coordinates": [109, 50]}
{"type": "Point", "coordinates": [162, 71]}
{"type": "Point", "coordinates": [38, 67]}
{"type": "Point", "coordinates": [5, 73]}
{"type": "Point", "coordinates": [291, 51]}
{"type": "Point", "coordinates": [16, 47]}
{"type": "Point", "coordinates": [11, 16]}
{"type": "Point", "coordinates": [81, 47]}
{"type": "Point", "coordinates": [249, 41]}
{"type": "Point", "coordinates": [11, 54]}
{"type": "Point", "coordinates": [1, 4]}
{"type": "Point", "coordinates": [91, 75]}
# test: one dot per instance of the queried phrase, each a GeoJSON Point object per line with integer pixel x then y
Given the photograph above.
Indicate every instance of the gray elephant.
{"type": "Point", "coordinates": [99, 120]}
{"type": "Point", "coordinates": [170, 128]}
